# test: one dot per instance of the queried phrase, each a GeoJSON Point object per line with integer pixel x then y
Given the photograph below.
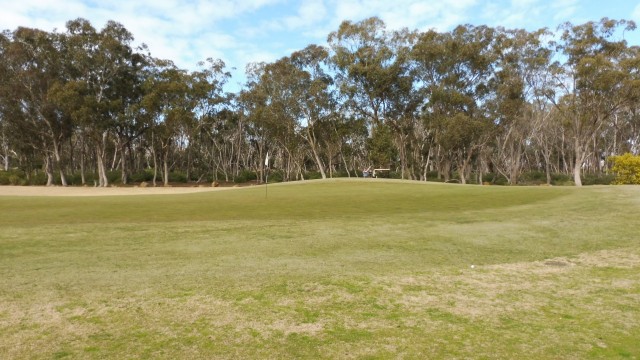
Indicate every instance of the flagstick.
{"type": "Point", "coordinates": [266, 184]}
{"type": "Point", "coordinates": [266, 171]}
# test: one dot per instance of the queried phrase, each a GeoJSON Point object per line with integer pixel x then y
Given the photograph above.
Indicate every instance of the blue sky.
{"type": "Point", "coordinates": [240, 32]}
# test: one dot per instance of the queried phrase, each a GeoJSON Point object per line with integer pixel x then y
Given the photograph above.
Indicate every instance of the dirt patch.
{"type": "Point", "coordinates": [557, 263]}
{"type": "Point", "coordinates": [493, 290]}
{"type": "Point", "coordinates": [100, 191]}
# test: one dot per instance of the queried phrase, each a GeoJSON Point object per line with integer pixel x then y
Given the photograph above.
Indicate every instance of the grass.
{"type": "Point", "coordinates": [324, 269]}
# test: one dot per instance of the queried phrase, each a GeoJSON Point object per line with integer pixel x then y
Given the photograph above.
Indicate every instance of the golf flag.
{"type": "Point", "coordinates": [266, 160]}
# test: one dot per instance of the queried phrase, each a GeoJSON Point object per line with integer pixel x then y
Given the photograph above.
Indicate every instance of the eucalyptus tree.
{"type": "Point", "coordinates": [253, 111]}
{"type": "Point", "coordinates": [373, 74]}
{"type": "Point", "coordinates": [403, 104]}
{"type": "Point", "coordinates": [521, 61]}
{"type": "Point", "coordinates": [283, 87]}
{"type": "Point", "coordinates": [623, 128]}
{"type": "Point", "coordinates": [590, 83]}
{"type": "Point", "coordinates": [217, 138]}
{"type": "Point", "coordinates": [33, 70]}
{"type": "Point", "coordinates": [317, 102]}
{"type": "Point", "coordinates": [170, 106]}
{"type": "Point", "coordinates": [131, 121]}
{"type": "Point", "coordinates": [454, 69]}
{"type": "Point", "coordinates": [4, 103]}
{"type": "Point", "coordinates": [102, 91]}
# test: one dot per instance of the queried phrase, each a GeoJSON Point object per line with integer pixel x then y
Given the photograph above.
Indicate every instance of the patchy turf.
{"type": "Point", "coordinates": [323, 269]}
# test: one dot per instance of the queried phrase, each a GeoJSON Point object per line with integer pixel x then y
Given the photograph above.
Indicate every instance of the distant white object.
{"type": "Point", "coordinates": [379, 170]}
{"type": "Point", "coordinates": [473, 266]}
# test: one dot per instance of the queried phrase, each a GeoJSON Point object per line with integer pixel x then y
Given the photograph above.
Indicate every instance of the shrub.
{"type": "Point", "coordinates": [494, 179]}
{"type": "Point", "coordinates": [146, 175]}
{"type": "Point", "coordinates": [12, 177]}
{"type": "Point", "coordinates": [4, 178]}
{"type": "Point", "coordinates": [313, 175]}
{"type": "Point", "coordinates": [38, 179]}
{"type": "Point", "coordinates": [533, 178]}
{"type": "Point", "coordinates": [178, 177]}
{"type": "Point", "coordinates": [244, 176]}
{"type": "Point", "coordinates": [275, 176]}
{"type": "Point", "coordinates": [114, 177]}
{"type": "Point", "coordinates": [627, 169]}
{"type": "Point", "coordinates": [433, 176]}
{"type": "Point", "coordinates": [561, 179]}
{"type": "Point", "coordinates": [598, 179]}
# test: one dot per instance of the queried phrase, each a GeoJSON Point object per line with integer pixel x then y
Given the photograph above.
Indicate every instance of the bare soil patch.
{"type": "Point", "coordinates": [100, 191]}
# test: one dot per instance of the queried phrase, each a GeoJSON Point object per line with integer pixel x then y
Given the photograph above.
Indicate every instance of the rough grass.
{"type": "Point", "coordinates": [324, 269]}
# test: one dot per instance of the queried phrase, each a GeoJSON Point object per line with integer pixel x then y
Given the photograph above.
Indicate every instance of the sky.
{"type": "Point", "coordinates": [243, 31]}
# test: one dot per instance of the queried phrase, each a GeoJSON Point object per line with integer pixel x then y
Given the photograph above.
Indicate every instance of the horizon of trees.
{"type": "Point", "coordinates": [460, 104]}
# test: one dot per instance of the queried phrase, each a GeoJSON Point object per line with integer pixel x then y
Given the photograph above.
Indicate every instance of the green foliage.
{"type": "Point", "coordinates": [494, 179]}
{"type": "Point", "coordinates": [389, 175]}
{"type": "Point", "coordinates": [627, 169]}
{"type": "Point", "coordinates": [245, 176]}
{"type": "Point", "coordinates": [145, 175]}
{"type": "Point", "coordinates": [532, 178]}
{"type": "Point", "coordinates": [598, 179]}
{"type": "Point", "coordinates": [382, 152]}
{"type": "Point", "coordinates": [11, 177]}
{"type": "Point", "coordinates": [562, 179]}
{"type": "Point", "coordinates": [275, 176]}
{"type": "Point", "coordinates": [114, 176]}
{"type": "Point", "coordinates": [76, 178]}
{"type": "Point", "coordinates": [311, 175]}
{"type": "Point", "coordinates": [433, 176]}
{"type": "Point", "coordinates": [178, 177]}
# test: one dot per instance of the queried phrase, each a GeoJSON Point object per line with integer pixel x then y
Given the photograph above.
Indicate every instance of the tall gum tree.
{"type": "Point", "coordinates": [100, 62]}
{"type": "Point", "coordinates": [520, 61]}
{"type": "Point", "coordinates": [34, 59]}
{"type": "Point", "coordinates": [454, 70]}
{"type": "Point", "coordinates": [171, 108]}
{"type": "Point", "coordinates": [317, 101]}
{"type": "Point", "coordinates": [214, 139]}
{"type": "Point", "coordinates": [590, 82]}
{"type": "Point", "coordinates": [372, 72]}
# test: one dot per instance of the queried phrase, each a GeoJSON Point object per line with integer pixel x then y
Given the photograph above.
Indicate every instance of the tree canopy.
{"type": "Point", "coordinates": [474, 104]}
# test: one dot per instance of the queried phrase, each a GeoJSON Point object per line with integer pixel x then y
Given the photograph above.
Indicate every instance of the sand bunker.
{"type": "Point", "coordinates": [98, 191]}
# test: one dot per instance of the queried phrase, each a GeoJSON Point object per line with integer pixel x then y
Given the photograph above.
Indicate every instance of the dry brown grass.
{"type": "Point", "coordinates": [492, 291]}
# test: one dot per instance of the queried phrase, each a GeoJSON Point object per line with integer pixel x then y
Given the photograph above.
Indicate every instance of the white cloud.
{"type": "Point", "coordinates": [185, 32]}
{"type": "Point", "coordinates": [242, 31]}
{"type": "Point", "coordinates": [635, 15]}
{"type": "Point", "coordinates": [564, 9]}
{"type": "Point", "coordinates": [309, 14]}
{"type": "Point", "coordinates": [412, 14]}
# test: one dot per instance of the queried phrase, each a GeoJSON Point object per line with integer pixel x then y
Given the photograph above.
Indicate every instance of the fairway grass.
{"type": "Point", "coordinates": [324, 269]}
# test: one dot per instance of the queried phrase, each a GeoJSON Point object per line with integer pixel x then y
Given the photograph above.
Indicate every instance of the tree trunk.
{"type": "Point", "coordinates": [576, 174]}
{"type": "Point", "coordinates": [101, 150]}
{"type": "Point", "coordinates": [48, 170]}
{"type": "Point", "coordinates": [5, 150]}
{"type": "Point", "coordinates": [580, 154]}
{"type": "Point", "coordinates": [312, 143]}
{"type": "Point", "coordinates": [102, 176]}
{"type": "Point", "coordinates": [155, 160]}
{"type": "Point", "coordinates": [446, 170]}
{"type": "Point", "coordinates": [56, 153]}
{"type": "Point", "coordinates": [123, 154]}
{"type": "Point", "coordinates": [82, 176]}
{"type": "Point", "coordinates": [165, 167]}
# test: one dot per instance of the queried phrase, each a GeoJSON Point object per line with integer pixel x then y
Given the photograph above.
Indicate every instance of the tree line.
{"type": "Point", "coordinates": [465, 105]}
